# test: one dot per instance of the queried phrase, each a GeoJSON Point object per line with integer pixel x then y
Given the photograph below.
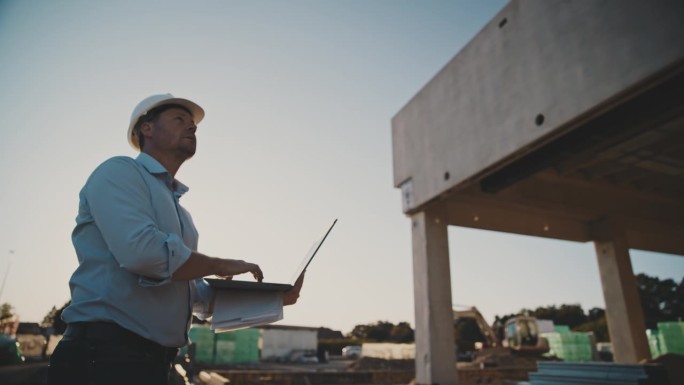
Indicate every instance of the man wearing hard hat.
{"type": "Point", "coordinates": [139, 277]}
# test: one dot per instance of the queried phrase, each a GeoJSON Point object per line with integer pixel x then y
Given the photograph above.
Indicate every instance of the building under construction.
{"type": "Point", "coordinates": [560, 119]}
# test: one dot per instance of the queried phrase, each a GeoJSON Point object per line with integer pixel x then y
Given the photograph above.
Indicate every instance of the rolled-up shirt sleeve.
{"type": "Point", "coordinates": [120, 203]}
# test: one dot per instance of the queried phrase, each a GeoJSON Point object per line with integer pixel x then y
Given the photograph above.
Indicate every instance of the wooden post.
{"type": "Point", "coordinates": [623, 307]}
{"type": "Point", "coordinates": [435, 352]}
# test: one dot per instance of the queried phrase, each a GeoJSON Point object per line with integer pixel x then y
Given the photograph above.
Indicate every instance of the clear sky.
{"type": "Point", "coordinates": [299, 97]}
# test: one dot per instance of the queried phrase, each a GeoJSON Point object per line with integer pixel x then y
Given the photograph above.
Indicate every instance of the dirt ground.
{"type": "Point", "coordinates": [370, 363]}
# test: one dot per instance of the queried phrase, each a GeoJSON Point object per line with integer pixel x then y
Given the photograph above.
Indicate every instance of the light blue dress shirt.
{"type": "Point", "coordinates": [131, 235]}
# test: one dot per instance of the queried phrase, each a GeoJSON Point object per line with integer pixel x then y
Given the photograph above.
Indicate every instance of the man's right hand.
{"type": "Point", "coordinates": [231, 267]}
{"type": "Point", "coordinates": [200, 265]}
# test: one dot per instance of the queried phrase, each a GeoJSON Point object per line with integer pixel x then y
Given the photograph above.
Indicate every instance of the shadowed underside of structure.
{"type": "Point", "coordinates": [625, 165]}
{"type": "Point", "coordinates": [560, 119]}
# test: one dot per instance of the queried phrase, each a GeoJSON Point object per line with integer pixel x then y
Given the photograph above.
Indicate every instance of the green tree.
{"type": "Point", "coordinates": [545, 312]}
{"type": "Point", "coordinates": [597, 326]}
{"type": "Point", "coordinates": [379, 332]}
{"type": "Point", "coordinates": [54, 319]}
{"type": "Point", "coordinates": [383, 331]}
{"type": "Point", "coordinates": [596, 313]}
{"type": "Point", "coordinates": [570, 315]}
{"type": "Point", "coordinates": [359, 332]}
{"type": "Point", "coordinates": [49, 318]}
{"type": "Point", "coordinates": [661, 301]}
{"type": "Point", "coordinates": [402, 333]}
{"type": "Point", "coordinates": [6, 311]}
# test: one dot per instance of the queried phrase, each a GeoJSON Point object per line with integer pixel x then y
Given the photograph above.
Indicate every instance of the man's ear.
{"type": "Point", "coordinates": [146, 129]}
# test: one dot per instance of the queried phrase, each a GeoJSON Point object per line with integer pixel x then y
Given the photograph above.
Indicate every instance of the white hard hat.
{"type": "Point", "coordinates": [155, 101]}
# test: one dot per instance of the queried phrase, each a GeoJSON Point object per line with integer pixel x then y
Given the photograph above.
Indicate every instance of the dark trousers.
{"type": "Point", "coordinates": [99, 353]}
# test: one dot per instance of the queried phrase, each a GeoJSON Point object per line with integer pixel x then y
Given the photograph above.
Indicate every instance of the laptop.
{"type": "Point", "coordinates": [218, 283]}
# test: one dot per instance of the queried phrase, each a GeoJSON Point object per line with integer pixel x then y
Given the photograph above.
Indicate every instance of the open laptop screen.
{"type": "Point", "coordinates": [268, 286]}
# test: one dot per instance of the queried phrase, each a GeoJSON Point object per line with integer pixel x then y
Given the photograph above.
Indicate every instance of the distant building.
{"type": "Point", "coordinates": [283, 343]}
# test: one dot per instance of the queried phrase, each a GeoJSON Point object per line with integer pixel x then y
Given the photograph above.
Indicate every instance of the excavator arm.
{"type": "Point", "coordinates": [474, 314]}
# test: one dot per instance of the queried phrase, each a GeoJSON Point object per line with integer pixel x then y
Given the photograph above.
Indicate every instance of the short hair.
{"type": "Point", "coordinates": [152, 116]}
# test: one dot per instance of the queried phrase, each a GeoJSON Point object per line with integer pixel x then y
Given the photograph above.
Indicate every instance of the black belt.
{"type": "Point", "coordinates": [111, 332]}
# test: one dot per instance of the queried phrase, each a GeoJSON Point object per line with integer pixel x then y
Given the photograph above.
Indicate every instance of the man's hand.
{"type": "Point", "coordinates": [290, 296]}
{"type": "Point", "coordinates": [231, 267]}
{"type": "Point", "coordinates": [200, 265]}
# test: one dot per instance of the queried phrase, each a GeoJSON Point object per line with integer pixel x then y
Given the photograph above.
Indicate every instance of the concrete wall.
{"type": "Point", "coordinates": [470, 376]}
{"type": "Point", "coordinates": [562, 60]}
{"type": "Point", "coordinates": [389, 351]}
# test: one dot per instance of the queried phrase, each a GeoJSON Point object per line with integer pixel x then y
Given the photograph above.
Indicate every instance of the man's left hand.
{"type": "Point", "coordinates": [290, 297]}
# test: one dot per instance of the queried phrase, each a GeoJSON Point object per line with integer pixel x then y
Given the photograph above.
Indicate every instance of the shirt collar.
{"type": "Point", "coordinates": [154, 167]}
{"type": "Point", "coordinates": [151, 165]}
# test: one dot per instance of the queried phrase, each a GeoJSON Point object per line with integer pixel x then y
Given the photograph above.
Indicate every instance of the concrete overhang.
{"type": "Point", "coordinates": [557, 118]}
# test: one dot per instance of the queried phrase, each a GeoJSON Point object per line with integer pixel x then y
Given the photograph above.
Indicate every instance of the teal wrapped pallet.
{"type": "Point", "coordinates": [671, 337]}
{"type": "Point", "coordinates": [569, 346]}
{"type": "Point", "coordinates": [237, 347]}
{"type": "Point", "coordinates": [205, 343]}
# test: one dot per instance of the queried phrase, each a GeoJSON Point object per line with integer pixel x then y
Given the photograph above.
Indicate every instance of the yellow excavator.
{"type": "Point", "coordinates": [521, 333]}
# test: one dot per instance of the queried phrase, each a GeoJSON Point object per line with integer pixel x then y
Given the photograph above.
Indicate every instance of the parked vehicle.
{"type": "Point", "coordinates": [308, 358]}
{"type": "Point", "coordinates": [303, 356]}
{"type": "Point", "coordinates": [351, 351]}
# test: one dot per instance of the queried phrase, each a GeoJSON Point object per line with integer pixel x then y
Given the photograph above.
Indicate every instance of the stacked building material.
{"type": "Point", "coordinates": [597, 373]}
{"type": "Point", "coordinates": [238, 346]}
{"type": "Point", "coordinates": [204, 340]}
{"type": "Point", "coordinates": [671, 337]}
{"type": "Point", "coordinates": [570, 346]}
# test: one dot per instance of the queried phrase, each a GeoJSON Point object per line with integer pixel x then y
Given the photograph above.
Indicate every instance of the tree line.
{"type": "Point", "coordinates": [661, 301]}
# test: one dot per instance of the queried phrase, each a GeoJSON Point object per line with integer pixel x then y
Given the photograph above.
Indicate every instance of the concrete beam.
{"type": "Point", "coordinates": [535, 72]}
{"type": "Point", "coordinates": [435, 353]}
{"type": "Point", "coordinates": [623, 308]}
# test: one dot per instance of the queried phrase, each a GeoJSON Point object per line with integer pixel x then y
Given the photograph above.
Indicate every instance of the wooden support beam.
{"type": "Point", "coordinates": [662, 237]}
{"type": "Point", "coordinates": [490, 214]}
{"type": "Point", "coordinates": [568, 197]}
{"type": "Point", "coordinates": [435, 355]}
{"type": "Point", "coordinates": [623, 308]}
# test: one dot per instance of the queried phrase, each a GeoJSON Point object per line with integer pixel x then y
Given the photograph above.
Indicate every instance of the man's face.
{"type": "Point", "coordinates": [173, 132]}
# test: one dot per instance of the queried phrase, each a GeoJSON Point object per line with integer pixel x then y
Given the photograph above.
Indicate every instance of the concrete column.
{"type": "Point", "coordinates": [434, 331]}
{"type": "Point", "coordinates": [623, 307]}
